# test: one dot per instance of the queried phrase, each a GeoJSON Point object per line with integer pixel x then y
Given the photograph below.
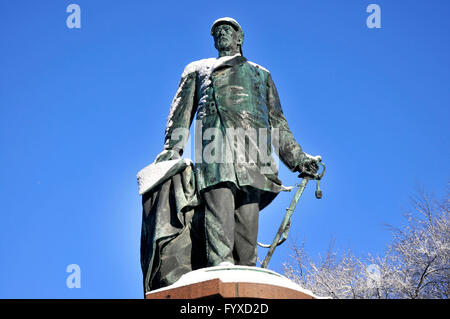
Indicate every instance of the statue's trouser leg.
{"type": "Point", "coordinates": [219, 224]}
{"type": "Point", "coordinates": [245, 234]}
{"type": "Point", "coordinates": [231, 225]}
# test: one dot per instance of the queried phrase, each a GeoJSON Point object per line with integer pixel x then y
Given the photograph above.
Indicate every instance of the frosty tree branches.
{"type": "Point", "coordinates": [416, 264]}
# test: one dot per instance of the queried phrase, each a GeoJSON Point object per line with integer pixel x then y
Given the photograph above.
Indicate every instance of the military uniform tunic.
{"type": "Point", "coordinates": [231, 94]}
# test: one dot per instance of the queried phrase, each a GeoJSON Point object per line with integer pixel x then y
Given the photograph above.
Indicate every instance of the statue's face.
{"type": "Point", "coordinates": [226, 38]}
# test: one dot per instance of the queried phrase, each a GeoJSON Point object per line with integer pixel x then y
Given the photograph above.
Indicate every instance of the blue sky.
{"type": "Point", "coordinates": [82, 110]}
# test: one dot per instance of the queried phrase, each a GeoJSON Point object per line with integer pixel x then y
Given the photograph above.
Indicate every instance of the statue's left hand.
{"type": "Point", "coordinates": [309, 166]}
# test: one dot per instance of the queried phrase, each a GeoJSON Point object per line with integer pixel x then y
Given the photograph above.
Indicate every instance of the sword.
{"type": "Point", "coordinates": [283, 230]}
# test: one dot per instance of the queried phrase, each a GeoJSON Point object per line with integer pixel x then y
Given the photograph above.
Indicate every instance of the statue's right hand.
{"type": "Point", "coordinates": [167, 155]}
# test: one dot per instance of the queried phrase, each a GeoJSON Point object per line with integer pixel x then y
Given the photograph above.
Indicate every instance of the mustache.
{"type": "Point", "coordinates": [224, 37]}
{"type": "Point", "coordinates": [224, 41]}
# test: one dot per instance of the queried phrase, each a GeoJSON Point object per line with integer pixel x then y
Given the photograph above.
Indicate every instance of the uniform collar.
{"type": "Point", "coordinates": [225, 61]}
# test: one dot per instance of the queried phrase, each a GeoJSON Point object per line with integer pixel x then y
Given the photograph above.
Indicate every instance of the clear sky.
{"type": "Point", "coordinates": [83, 110]}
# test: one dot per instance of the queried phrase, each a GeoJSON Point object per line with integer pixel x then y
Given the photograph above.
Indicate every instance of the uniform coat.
{"type": "Point", "coordinates": [232, 93]}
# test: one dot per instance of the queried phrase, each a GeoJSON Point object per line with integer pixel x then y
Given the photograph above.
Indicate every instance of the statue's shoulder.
{"type": "Point", "coordinates": [198, 65]}
{"type": "Point", "coordinates": [258, 66]}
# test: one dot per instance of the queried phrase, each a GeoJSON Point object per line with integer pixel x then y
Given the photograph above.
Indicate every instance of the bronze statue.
{"type": "Point", "coordinates": [238, 120]}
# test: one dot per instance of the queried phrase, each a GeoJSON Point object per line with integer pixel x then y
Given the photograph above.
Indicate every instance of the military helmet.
{"type": "Point", "coordinates": [232, 22]}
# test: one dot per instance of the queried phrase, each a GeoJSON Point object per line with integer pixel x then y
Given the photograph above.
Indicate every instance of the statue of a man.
{"type": "Point", "coordinates": [239, 118]}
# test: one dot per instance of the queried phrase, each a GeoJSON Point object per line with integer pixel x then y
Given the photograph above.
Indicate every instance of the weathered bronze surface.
{"type": "Point", "coordinates": [223, 94]}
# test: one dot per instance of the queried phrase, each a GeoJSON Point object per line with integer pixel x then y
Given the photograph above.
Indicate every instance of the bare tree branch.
{"type": "Point", "coordinates": [415, 265]}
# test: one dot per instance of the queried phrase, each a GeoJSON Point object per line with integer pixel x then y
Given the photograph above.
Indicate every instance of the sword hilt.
{"type": "Point", "coordinates": [283, 231]}
{"type": "Point", "coordinates": [318, 178]}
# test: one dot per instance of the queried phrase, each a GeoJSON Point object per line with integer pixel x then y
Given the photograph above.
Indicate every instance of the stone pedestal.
{"type": "Point", "coordinates": [232, 282]}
